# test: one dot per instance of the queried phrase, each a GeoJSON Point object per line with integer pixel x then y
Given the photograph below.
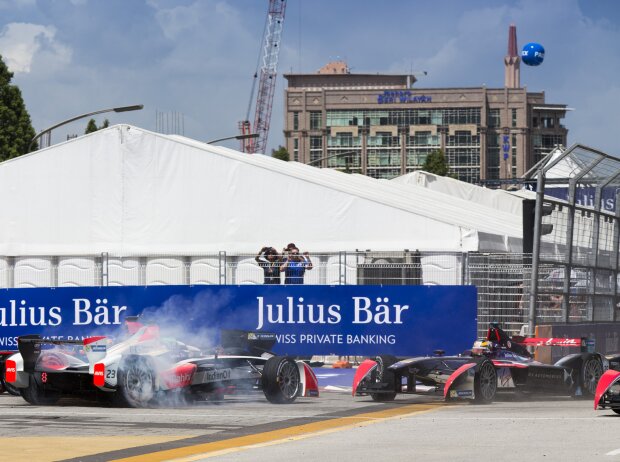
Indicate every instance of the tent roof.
{"type": "Point", "coordinates": [127, 190]}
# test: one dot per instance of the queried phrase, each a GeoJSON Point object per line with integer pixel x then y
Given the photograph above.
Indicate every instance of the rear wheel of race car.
{"type": "Point", "coordinates": [485, 383]}
{"type": "Point", "coordinates": [35, 394]}
{"type": "Point", "coordinates": [281, 381]}
{"type": "Point", "coordinates": [136, 382]}
{"type": "Point", "coordinates": [383, 374]}
{"type": "Point", "coordinates": [591, 371]}
{"type": "Point", "coordinates": [12, 390]}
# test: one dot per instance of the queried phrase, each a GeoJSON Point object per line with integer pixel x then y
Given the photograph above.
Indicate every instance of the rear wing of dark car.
{"type": "Point", "coordinates": [254, 343]}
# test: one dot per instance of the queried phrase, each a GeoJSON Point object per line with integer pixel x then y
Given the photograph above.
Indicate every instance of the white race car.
{"type": "Point", "coordinates": [148, 369]}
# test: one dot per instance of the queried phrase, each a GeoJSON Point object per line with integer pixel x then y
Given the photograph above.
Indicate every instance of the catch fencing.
{"type": "Point", "coordinates": [500, 278]}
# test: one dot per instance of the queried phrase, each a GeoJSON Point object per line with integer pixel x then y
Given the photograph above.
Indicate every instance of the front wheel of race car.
{"type": "Point", "coordinates": [36, 395]}
{"type": "Point", "coordinates": [281, 381]}
{"type": "Point", "coordinates": [384, 375]}
{"type": "Point", "coordinates": [591, 371]}
{"type": "Point", "coordinates": [136, 382]}
{"type": "Point", "coordinates": [485, 383]}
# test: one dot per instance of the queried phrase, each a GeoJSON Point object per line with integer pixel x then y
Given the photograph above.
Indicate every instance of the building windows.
{"type": "Point", "coordinates": [494, 118]}
{"type": "Point", "coordinates": [514, 155]}
{"type": "Point", "coordinates": [316, 149]}
{"type": "Point", "coordinates": [404, 117]}
{"type": "Point", "coordinates": [493, 163]}
{"type": "Point", "coordinates": [296, 149]}
{"type": "Point", "coordinates": [316, 119]}
{"type": "Point", "coordinates": [547, 122]}
{"type": "Point", "coordinates": [514, 117]}
{"type": "Point", "coordinates": [463, 155]}
{"type": "Point", "coordinates": [544, 144]}
{"type": "Point", "coordinates": [296, 120]}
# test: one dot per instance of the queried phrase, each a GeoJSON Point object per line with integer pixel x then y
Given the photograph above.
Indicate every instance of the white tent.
{"type": "Point", "coordinates": [500, 199]}
{"type": "Point", "coordinates": [128, 191]}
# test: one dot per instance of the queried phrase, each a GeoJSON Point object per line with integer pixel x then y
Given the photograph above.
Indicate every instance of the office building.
{"type": "Point", "coordinates": [382, 126]}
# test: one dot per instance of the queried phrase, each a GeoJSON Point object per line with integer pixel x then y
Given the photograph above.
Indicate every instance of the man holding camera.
{"type": "Point", "coordinates": [295, 265]}
{"type": "Point", "coordinates": [269, 260]}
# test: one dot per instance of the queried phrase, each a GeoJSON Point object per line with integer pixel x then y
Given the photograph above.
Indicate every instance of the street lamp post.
{"type": "Point", "coordinates": [135, 107]}
{"type": "Point", "coordinates": [347, 156]}
{"type": "Point", "coordinates": [246, 136]}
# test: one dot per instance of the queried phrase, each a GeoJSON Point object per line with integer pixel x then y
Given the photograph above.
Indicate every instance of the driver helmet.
{"type": "Point", "coordinates": [482, 347]}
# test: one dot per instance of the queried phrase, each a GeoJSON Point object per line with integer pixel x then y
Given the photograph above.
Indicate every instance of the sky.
{"type": "Point", "coordinates": [197, 58]}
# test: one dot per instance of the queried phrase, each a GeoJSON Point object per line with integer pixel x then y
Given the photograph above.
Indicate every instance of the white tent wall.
{"type": "Point", "coordinates": [505, 201]}
{"type": "Point", "coordinates": [162, 207]}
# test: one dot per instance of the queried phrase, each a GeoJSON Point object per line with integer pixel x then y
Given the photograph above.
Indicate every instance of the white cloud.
{"type": "Point", "coordinates": [22, 43]}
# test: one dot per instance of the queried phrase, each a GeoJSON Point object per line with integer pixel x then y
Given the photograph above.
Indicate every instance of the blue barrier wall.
{"type": "Point", "coordinates": [309, 320]}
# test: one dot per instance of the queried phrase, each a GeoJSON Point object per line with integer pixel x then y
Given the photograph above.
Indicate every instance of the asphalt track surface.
{"type": "Point", "coordinates": [332, 427]}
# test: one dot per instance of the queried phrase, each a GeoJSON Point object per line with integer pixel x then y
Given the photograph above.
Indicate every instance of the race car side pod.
{"type": "Point", "coordinates": [460, 384]}
{"type": "Point", "coordinates": [607, 380]}
{"type": "Point", "coordinates": [364, 370]}
{"type": "Point", "coordinates": [309, 382]}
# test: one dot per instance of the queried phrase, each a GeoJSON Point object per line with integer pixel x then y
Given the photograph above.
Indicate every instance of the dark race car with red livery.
{"type": "Point", "coordinates": [147, 368]}
{"type": "Point", "coordinates": [495, 364]}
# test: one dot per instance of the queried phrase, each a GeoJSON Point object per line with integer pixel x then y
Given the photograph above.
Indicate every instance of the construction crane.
{"type": "Point", "coordinates": [270, 47]}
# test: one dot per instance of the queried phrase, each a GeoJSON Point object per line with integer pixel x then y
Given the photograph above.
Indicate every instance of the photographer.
{"type": "Point", "coordinates": [295, 265]}
{"type": "Point", "coordinates": [269, 260]}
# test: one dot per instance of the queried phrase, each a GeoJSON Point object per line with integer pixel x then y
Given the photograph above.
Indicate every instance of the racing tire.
{"type": "Point", "coordinates": [281, 381]}
{"type": "Point", "coordinates": [485, 382]}
{"type": "Point", "coordinates": [589, 375]}
{"type": "Point", "coordinates": [382, 374]}
{"type": "Point", "coordinates": [136, 383]}
{"type": "Point", "coordinates": [616, 410]}
{"type": "Point", "coordinates": [12, 389]}
{"type": "Point", "coordinates": [37, 396]}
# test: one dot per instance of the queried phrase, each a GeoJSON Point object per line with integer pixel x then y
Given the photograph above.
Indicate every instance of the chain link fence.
{"type": "Point", "coordinates": [500, 278]}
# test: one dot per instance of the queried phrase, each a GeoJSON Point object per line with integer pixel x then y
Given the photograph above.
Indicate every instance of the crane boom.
{"type": "Point", "coordinates": [267, 79]}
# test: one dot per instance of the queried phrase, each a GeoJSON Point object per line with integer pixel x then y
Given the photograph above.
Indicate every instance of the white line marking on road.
{"type": "Point", "coordinates": [615, 452]}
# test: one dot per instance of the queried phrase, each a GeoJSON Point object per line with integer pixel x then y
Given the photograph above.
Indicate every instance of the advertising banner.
{"type": "Point", "coordinates": [308, 320]}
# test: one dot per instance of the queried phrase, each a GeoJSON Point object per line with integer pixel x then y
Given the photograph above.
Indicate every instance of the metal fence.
{"type": "Point", "coordinates": [500, 278]}
{"type": "Point", "coordinates": [576, 238]}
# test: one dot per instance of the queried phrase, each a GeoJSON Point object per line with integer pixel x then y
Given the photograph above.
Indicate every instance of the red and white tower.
{"type": "Point", "coordinates": [512, 61]}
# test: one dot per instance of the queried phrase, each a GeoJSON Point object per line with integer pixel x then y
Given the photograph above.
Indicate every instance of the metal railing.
{"type": "Point", "coordinates": [500, 278]}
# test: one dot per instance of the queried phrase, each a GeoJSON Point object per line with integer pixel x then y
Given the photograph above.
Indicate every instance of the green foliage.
{"type": "Point", "coordinates": [436, 163]}
{"type": "Point", "coordinates": [16, 130]}
{"type": "Point", "coordinates": [281, 153]}
{"type": "Point", "coordinates": [92, 126]}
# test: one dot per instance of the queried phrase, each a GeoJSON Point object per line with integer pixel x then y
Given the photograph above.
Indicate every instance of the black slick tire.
{"type": "Point", "coordinates": [281, 382]}
{"type": "Point", "coordinates": [589, 375]}
{"type": "Point", "coordinates": [485, 382]}
{"type": "Point", "coordinates": [384, 375]}
{"type": "Point", "coordinates": [34, 394]}
{"type": "Point", "coordinates": [136, 383]}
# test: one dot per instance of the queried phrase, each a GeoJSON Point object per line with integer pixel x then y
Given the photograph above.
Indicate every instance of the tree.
{"type": "Point", "coordinates": [92, 126]}
{"type": "Point", "coordinates": [16, 130]}
{"type": "Point", "coordinates": [281, 153]}
{"type": "Point", "coordinates": [436, 163]}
